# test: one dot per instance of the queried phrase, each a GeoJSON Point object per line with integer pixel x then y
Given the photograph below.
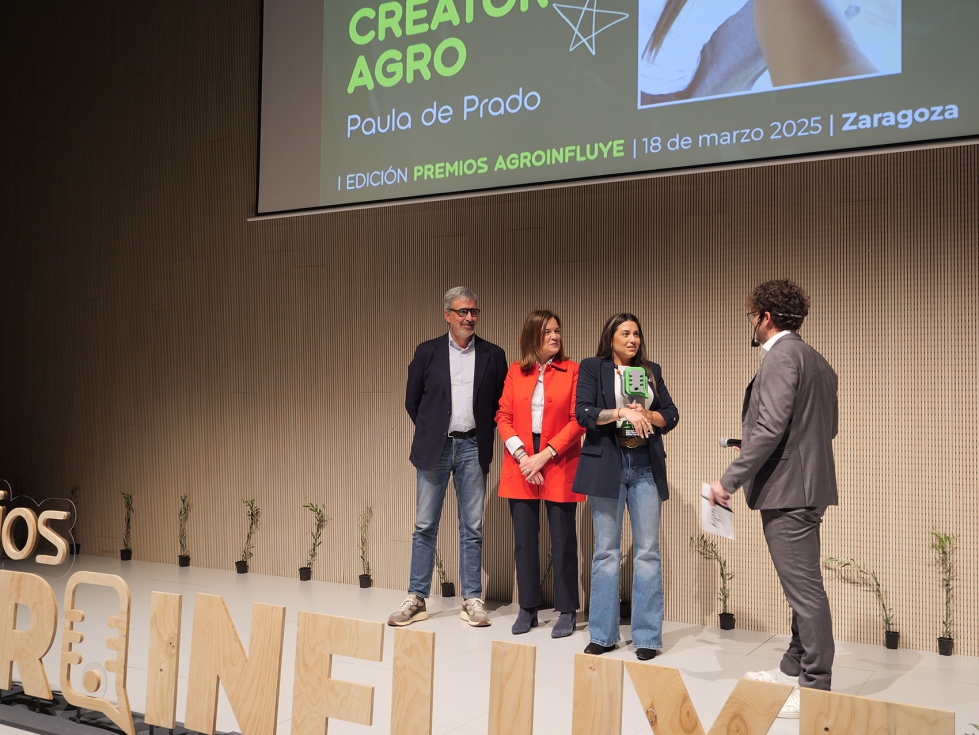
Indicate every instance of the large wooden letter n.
{"type": "Point", "coordinates": [217, 657]}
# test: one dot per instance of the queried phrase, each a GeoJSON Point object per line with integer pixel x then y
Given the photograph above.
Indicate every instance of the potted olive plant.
{"type": "Point", "coordinates": [316, 538]}
{"type": "Point", "coordinates": [707, 548]}
{"type": "Point", "coordinates": [363, 523]}
{"type": "Point", "coordinates": [126, 552]}
{"type": "Point", "coordinates": [184, 558]}
{"type": "Point", "coordinates": [74, 496]}
{"type": "Point", "coordinates": [855, 573]}
{"type": "Point", "coordinates": [944, 547]}
{"type": "Point", "coordinates": [254, 520]}
{"type": "Point", "coordinates": [448, 588]}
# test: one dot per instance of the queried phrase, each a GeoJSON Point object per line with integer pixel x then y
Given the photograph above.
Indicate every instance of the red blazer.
{"type": "Point", "coordinates": [559, 429]}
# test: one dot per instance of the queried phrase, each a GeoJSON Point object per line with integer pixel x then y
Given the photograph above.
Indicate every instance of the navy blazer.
{"type": "Point", "coordinates": [428, 399]}
{"type": "Point", "coordinates": [600, 466]}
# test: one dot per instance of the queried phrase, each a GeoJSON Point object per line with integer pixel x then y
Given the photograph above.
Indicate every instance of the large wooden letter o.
{"type": "Point", "coordinates": [8, 542]}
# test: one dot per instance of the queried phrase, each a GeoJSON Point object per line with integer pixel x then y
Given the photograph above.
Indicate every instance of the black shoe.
{"type": "Point", "coordinates": [526, 619]}
{"type": "Point", "coordinates": [646, 654]}
{"type": "Point", "coordinates": [565, 625]}
{"type": "Point", "coordinates": [597, 649]}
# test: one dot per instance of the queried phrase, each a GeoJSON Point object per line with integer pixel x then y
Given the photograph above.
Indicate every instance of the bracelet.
{"type": "Point", "coordinates": [520, 454]}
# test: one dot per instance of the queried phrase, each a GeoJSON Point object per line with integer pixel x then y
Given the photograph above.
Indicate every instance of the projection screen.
{"type": "Point", "coordinates": [370, 102]}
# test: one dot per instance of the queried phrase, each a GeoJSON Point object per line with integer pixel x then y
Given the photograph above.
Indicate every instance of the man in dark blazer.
{"type": "Point", "coordinates": [454, 386]}
{"type": "Point", "coordinates": [789, 419]}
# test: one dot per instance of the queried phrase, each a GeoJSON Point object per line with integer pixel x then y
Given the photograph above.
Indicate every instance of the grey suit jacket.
{"type": "Point", "coordinates": [789, 419]}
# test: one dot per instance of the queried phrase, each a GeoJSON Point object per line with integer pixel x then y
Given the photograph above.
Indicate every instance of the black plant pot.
{"type": "Point", "coordinates": [241, 567]}
{"type": "Point", "coordinates": [305, 574]}
{"type": "Point", "coordinates": [183, 560]}
{"type": "Point", "coordinates": [74, 549]}
{"type": "Point", "coordinates": [126, 554]}
{"type": "Point", "coordinates": [945, 646]}
{"type": "Point", "coordinates": [625, 609]}
{"type": "Point", "coordinates": [448, 589]}
{"type": "Point", "coordinates": [365, 581]}
{"type": "Point", "coordinates": [727, 621]}
{"type": "Point", "coordinates": [892, 638]}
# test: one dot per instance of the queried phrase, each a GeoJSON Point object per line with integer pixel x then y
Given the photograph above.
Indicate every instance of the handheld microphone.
{"type": "Point", "coordinates": [727, 443]}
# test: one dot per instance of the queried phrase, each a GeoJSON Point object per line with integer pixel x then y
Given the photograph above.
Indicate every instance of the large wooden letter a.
{"type": "Point", "coordinates": [216, 656]}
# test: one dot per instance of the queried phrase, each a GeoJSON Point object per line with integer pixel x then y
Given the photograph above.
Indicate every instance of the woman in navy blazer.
{"type": "Point", "coordinates": [623, 463]}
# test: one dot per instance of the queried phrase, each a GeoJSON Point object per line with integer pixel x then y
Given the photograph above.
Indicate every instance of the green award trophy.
{"type": "Point", "coordinates": [635, 388]}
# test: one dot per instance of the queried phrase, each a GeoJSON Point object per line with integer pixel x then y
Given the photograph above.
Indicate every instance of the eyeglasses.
{"type": "Point", "coordinates": [750, 314]}
{"type": "Point", "coordinates": [466, 312]}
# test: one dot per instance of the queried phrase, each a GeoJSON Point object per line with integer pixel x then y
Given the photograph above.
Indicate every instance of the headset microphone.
{"type": "Point", "coordinates": [726, 443]}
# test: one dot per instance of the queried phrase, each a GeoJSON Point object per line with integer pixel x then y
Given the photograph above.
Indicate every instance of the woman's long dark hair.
{"type": "Point", "coordinates": [666, 20]}
{"type": "Point", "coordinates": [604, 351]}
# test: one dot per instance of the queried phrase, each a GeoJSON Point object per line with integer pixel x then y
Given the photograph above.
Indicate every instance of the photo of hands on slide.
{"type": "Point", "coordinates": [698, 49]}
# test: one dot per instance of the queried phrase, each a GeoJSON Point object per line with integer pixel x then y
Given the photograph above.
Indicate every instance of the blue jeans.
{"type": "Point", "coordinates": [638, 490]}
{"type": "Point", "coordinates": [460, 458]}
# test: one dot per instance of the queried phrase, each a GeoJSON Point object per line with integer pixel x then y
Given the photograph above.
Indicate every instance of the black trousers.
{"type": "Point", "coordinates": [564, 552]}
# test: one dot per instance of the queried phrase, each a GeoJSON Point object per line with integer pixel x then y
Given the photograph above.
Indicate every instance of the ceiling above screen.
{"type": "Point", "coordinates": [383, 102]}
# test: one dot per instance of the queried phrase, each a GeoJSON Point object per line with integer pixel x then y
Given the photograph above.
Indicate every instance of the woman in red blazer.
{"type": "Point", "coordinates": [536, 421]}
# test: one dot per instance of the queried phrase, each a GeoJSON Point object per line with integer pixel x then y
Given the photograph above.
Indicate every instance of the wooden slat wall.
{"type": "Point", "coordinates": [155, 341]}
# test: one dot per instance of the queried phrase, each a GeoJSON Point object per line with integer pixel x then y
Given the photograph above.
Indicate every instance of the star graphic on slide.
{"type": "Point", "coordinates": [584, 20]}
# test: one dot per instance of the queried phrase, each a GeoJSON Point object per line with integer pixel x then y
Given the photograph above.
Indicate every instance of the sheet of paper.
{"type": "Point", "coordinates": [715, 519]}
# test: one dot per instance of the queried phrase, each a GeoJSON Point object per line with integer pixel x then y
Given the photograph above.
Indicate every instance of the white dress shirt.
{"type": "Point", "coordinates": [536, 410]}
{"type": "Point", "coordinates": [462, 368]}
{"type": "Point", "coordinates": [765, 348]}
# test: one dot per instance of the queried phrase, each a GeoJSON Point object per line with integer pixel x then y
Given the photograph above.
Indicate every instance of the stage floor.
{"type": "Point", "coordinates": [710, 661]}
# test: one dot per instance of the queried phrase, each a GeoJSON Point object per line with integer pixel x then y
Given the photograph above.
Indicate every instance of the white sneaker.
{"type": "Point", "coordinates": [773, 676]}
{"type": "Point", "coordinates": [790, 710]}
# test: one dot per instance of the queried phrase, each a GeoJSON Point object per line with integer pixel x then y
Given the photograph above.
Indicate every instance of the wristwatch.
{"type": "Point", "coordinates": [553, 451]}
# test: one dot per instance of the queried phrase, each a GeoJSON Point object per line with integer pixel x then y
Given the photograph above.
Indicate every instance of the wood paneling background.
{"type": "Point", "coordinates": [155, 341]}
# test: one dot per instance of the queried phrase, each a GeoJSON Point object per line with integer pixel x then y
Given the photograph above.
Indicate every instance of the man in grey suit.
{"type": "Point", "coordinates": [789, 419]}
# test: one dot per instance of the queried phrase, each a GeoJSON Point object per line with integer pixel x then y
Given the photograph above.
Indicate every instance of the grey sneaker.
{"type": "Point", "coordinates": [411, 611]}
{"type": "Point", "coordinates": [474, 614]}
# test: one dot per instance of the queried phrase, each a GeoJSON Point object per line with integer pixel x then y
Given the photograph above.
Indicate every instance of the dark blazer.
{"type": "Point", "coordinates": [428, 399]}
{"type": "Point", "coordinates": [600, 466]}
{"type": "Point", "coordinates": [789, 419]}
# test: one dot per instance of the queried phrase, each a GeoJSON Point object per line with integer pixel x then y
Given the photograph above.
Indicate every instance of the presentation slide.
{"type": "Point", "coordinates": [371, 102]}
